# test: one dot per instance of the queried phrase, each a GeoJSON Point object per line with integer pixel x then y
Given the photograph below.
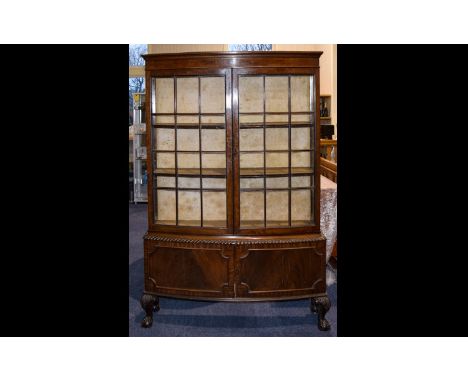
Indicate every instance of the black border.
{"type": "Point", "coordinates": [399, 220]}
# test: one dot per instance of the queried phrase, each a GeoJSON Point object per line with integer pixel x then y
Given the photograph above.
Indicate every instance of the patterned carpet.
{"type": "Point", "coordinates": [201, 318]}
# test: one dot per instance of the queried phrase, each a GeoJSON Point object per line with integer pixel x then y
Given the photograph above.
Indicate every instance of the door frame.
{"type": "Point", "coordinates": [191, 72]}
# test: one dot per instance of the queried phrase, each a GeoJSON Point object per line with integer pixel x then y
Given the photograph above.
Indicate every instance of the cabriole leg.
{"type": "Point", "coordinates": [149, 303]}
{"type": "Point", "coordinates": [321, 305]}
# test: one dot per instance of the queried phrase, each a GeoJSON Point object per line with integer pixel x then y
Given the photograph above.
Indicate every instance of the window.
{"type": "Point", "coordinates": [251, 47]}
{"type": "Point", "coordinates": [136, 80]}
{"type": "Point", "coordinates": [134, 54]}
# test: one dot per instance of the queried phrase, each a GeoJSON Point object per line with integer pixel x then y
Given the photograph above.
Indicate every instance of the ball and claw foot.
{"type": "Point", "coordinates": [321, 305]}
{"type": "Point", "coordinates": [147, 322]}
{"type": "Point", "coordinates": [150, 304]}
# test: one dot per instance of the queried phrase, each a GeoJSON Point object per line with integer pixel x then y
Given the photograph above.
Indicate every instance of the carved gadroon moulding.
{"type": "Point", "coordinates": [231, 241]}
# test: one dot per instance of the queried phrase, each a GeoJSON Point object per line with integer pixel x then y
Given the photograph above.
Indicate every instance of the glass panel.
{"type": "Point", "coordinates": [250, 94]}
{"type": "Point", "coordinates": [300, 159]}
{"type": "Point", "coordinates": [300, 138]}
{"type": "Point", "coordinates": [276, 92]}
{"type": "Point", "coordinates": [281, 182]}
{"type": "Point", "coordinates": [300, 93]}
{"type": "Point", "coordinates": [250, 139]}
{"type": "Point", "coordinates": [276, 139]}
{"type": "Point", "coordinates": [187, 140]}
{"type": "Point", "coordinates": [251, 118]}
{"type": "Point", "coordinates": [251, 209]}
{"type": "Point", "coordinates": [214, 183]}
{"type": "Point", "coordinates": [301, 181]}
{"type": "Point", "coordinates": [162, 119]}
{"type": "Point", "coordinates": [213, 119]}
{"type": "Point", "coordinates": [213, 139]}
{"type": "Point", "coordinates": [189, 208]}
{"type": "Point", "coordinates": [277, 160]}
{"type": "Point", "coordinates": [166, 207]}
{"type": "Point", "coordinates": [186, 182]}
{"type": "Point", "coordinates": [187, 95]}
{"type": "Point", "coordinates": [251, 160]}
{"type": "Point", "coordinates": [184, 119]}
{"type": "Point", "coordinates": [251, 183]}
{"type": "Point", "coordinates": [165, 160]}
{"type": "Point", "coordinates": [165, 181]}
{"type": "Point", "coordinates": [300, 207]}
{"type": "Point", "coordinates": [164, 95]}
{"type": "Point", "coordinates": [214, 209]}
{"type": "Point", "coordinates": [188, 160]}
{"type": "Point", "coordinates": [214, 161]}
{"type": "Point", "coordinates": [164, 139]}
{"type": "Point", "coordinates": [277, 208]}
{"type": "Point", "coordinates": [297, 118]}
{"type": "Point", "coordinates": [276, 118]}
{"type": "Point", "coordinates": [212, 95]}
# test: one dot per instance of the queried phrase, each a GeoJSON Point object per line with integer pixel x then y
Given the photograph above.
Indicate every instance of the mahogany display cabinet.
{"type": "Point", "coordinates": [234, 182]}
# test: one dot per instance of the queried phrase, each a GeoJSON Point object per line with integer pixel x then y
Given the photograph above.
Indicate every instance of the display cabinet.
{"type": "Point", "coordinates": [233, 192]}
{"type": "Point", "coordinates": [140, 175]}
{"type": "Point", "coordinates": [130, 165]}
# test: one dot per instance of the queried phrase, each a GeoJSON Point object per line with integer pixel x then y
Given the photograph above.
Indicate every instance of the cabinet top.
{"type": "Point", "coordinates": [232, 59]}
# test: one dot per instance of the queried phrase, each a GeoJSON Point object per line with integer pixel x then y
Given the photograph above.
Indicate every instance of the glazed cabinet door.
{"type": "Point", "coordinates": [275, 157]}
{"type": "Point", "coordinates": [190, 145]}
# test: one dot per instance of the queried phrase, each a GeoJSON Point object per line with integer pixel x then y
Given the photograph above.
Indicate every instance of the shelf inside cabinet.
{"type": "Point", "coordinates": [275, 171]}
{"type": "Point", "coordinates": [192, 189]}
{"type": "Point", "coordinates": [189, 125]}
{"type": "Point", "coordinates": [196, 152]}
{"type": "Point", "coordinates": [273, 223]}
{"type": "Point", "coordinates": [208, 172]}
{"type": "Point", "coordinates": [191, 223]}
{"type": "Point", "coordinates": [270, 151]}
{"type": "Point", "coordinates": [275, 189]}
{"type": "Point", "coordinates": [259, 125]}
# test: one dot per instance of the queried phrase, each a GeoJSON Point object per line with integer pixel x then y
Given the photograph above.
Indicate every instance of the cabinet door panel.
{"type": "Point", "coordinates": [189, 271]}
{"type": "Point", "coordinates": [267, 273]}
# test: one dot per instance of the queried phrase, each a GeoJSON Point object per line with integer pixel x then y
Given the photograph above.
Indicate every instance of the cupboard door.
{"type": "Point", "coordinates": [280, 272]}
{"type": "Point", "coordinates": [189, 271]}
{"type": "Point", "coordinates": [275, 135]}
